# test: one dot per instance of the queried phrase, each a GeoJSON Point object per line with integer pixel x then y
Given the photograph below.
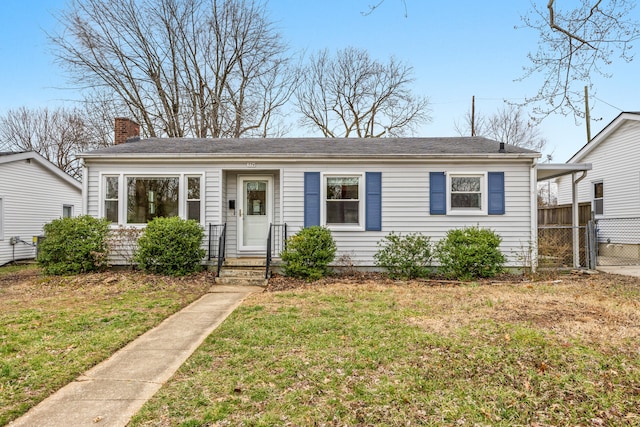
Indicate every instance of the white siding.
{"type": "Point", "coordinates": [405, 206]}
{"type": "Point", "coordinates": [615, 163]}
{"type": "Point", "coordinates": [405, 199]}
{"type": "Point", "coordinates": [31, 197]}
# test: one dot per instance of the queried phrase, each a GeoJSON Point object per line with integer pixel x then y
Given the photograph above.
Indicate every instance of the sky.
{"type": "Point", "coordinates": [457, 50]}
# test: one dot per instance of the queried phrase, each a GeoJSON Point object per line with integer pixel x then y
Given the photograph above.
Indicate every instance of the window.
{"type": "Point", "coordinates": [466, 192]}
{"type": "Point", "coordinates": [111, 198]}
{"type": "Point", "coordinates": [598, 198]}
{"type": "Point", "coordinates": [342, 200]}
{"type": "Point", "coordinates": [193, 198]}
{"type": "Point", "coordinates": [149, 198]}
{"type": "Point", "coordinates": [67, 211]}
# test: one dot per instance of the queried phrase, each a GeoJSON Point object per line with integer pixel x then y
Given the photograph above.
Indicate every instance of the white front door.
{"type": "Point", "coordinates": [255, 196]}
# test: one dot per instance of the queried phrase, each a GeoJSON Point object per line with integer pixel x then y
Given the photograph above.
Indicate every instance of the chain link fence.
{"type": "Point", "coordinates": [555, 246]}
{"type": "Point", "coordinates": [618, 241]}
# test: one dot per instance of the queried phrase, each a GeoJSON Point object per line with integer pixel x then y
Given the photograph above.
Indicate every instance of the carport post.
{"type": "Point", "coordinates": [575, 221]}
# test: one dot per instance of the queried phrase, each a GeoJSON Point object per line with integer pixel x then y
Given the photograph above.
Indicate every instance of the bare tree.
{"type": "Point", "coordinates": [574, 45]}
{"type": "Point", "coordinates": [203, 68]}
{"type": "Point", "coordinates": [509, 124]}
{"type": "Point", "coordinates": [58, 135]}
{"type": "Point", "coordinates": [352, 95]}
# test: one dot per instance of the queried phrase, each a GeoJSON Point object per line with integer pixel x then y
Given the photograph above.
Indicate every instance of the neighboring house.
{"type": "Point", "coordinates": [613, 185]}
{"type": "Point", "coordinates": [33, 192]}
{"type": "Point", "coordinates": [361, 189]}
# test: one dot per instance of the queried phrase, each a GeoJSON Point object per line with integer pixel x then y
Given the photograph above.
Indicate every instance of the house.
{"type": "Point", "coordinates": [612, 186]}
{"type": "Point", "coordinates": [33, 192]}
{"type": "Point", "coordinates": [361, 190]}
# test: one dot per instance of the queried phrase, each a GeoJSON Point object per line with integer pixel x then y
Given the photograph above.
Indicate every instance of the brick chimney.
{"type": "Point", "coordinates": [125, 128]}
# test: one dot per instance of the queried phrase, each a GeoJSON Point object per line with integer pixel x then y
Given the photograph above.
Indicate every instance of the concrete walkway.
{"type": "Point", "coordinates": [110, 393]}
{"type": "Point", "coordinates": [625, 270]}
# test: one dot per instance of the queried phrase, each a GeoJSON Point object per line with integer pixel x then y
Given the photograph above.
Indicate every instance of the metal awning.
{"type": "Point", "coordinates": [554, 170]}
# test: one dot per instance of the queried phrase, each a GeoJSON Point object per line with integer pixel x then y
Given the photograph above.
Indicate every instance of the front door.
{"type": "Point", "coordinates": [255, 195]}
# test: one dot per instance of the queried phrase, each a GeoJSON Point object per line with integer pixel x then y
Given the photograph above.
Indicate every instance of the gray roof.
{"type": "Point", "coordinates": [306, 147]}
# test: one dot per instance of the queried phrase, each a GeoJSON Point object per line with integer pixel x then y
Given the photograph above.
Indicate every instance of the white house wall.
{"type": "Point", "coordinates": [405, 206]}
{"type": "Point", "coordinates": [405, 199]}
{"type": "Point", "coordinates": [31, 197]}
{"type": "Point", "coordinates": [614, 162]}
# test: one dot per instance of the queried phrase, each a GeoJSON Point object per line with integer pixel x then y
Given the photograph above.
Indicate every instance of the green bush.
{"type": "Point", "coordinates": [170, 246]}
{"type": "Point", "coordinates": [470, 253]}
{"type": "Point", "coordinates": [404, 257]}
{"type": "Point", "coordinates": [74, 245]}
{"type": "Point", "coordinates": [307, 254]}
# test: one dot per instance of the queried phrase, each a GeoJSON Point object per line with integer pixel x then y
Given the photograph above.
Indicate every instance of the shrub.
{"type": "Point", "coordinates": [470, 253]}
{"type": "Point", "coordinates": [74, 245]}
{"type": "Point", "coordinates": [307, 254]}
{"type": "Point", "coordinates": [404, 257]}
{"type": "Point", "coordinates": [170, 246]}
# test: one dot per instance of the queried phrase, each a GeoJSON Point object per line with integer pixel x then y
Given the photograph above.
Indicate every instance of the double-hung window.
{"type": "Point", "coordinates": [111, 198]}
{"type": "Point", "coordinates": [343, 194]}
{"type": "Point", "coordinates": [193, 198]}
{"type": "Point", "coordinates": [466, 192]}
{"type": "Point", "coordinates": [598, 198]}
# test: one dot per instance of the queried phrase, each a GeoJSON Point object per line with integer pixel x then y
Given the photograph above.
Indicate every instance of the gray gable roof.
{"type": "Point", "coordinates": [306, 147]}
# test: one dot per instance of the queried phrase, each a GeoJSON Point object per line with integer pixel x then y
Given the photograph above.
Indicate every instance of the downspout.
{"type": "Point", "coordinates": [575, 222]}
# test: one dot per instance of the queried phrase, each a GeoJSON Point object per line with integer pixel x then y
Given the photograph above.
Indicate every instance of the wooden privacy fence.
{"type": "Point", "coordinates": [561, 214]}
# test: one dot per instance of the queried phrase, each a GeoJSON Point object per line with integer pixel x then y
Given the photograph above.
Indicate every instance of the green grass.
{"type": "Point", "coordinates": [54, 328]}
{"type": "Point", "coordinates": [415, 355]}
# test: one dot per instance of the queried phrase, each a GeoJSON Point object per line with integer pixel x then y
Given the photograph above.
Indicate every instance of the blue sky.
{"type": "Point", "coordinates": [457, 49]}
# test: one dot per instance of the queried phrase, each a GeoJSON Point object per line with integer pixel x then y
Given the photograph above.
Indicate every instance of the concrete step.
{"type": "Point", "coordinates": [241, 281]}
{"type": "Point", "coordinates": [246, 273]}
{"type": "Point", "coordinates": [245, 262]}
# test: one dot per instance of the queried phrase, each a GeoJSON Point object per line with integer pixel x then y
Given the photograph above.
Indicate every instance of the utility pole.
{"type": "Point", "coordinates": [473, 115]}
{"type": "Point", "coordinates": [587, 115]}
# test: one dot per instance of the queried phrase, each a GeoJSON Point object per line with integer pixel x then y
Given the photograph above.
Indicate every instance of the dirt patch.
{"type": "Point", "coordinates": [26, 284]}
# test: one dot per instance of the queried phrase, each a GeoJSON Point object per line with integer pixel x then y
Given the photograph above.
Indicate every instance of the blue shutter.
{"type": "Point", "coordinates": [374, 201]}
{"type": "Point", "coordinates": [496, 193]}
{"type": "Point", "coordinates": [311, 199]}
{"type": "Point", "coordinates": [437, 193]}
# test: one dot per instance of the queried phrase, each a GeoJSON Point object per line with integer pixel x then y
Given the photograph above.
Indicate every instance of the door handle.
{"type": "Point", "coordinates": [240, 212]}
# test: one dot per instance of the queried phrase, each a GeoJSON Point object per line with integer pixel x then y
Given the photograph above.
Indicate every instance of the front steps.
{"type": "Point", "coordinates": [243, 272]}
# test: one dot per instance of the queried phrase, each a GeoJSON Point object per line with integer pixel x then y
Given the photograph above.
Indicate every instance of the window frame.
{"type": "Point", "coordinates": [199, 199]}
{"type": "Point", "coordinates": [103, 197]}
{"type": "Point", "coordinates": [123, 198]}
{"type": "Point", "coordinates": [483, 209]}
{"type": "Point", "coordinates": [70, 207]}
{"type": "Point", "coordinates": [149, 177]}
{"type": "Point", "coordinates": [594, 199]}
{"type": "Point", "coordinates": [360, 226]}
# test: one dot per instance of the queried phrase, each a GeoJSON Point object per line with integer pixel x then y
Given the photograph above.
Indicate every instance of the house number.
{"type": "Point", "coordinates": [251, 165]}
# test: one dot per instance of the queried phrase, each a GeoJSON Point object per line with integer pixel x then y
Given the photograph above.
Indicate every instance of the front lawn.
{"type": "Point", "coordinates": [54, 328]}
{"type": "Point", "coordinates": [537, 354]}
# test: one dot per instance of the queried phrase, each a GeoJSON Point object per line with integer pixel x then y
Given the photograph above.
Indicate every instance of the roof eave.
{"type": "Point", "coordinates": [298, 156]}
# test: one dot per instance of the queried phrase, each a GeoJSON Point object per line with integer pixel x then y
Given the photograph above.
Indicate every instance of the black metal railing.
{"type": "Point", "coordinates": [276, 242]}
{"type": "Point", "coordinates": [217, 243]}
